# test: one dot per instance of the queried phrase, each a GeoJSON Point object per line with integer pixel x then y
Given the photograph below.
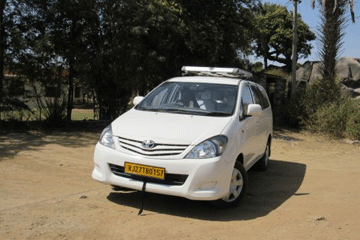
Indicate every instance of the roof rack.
{"type": "Point", "coordinates": [216, 72]}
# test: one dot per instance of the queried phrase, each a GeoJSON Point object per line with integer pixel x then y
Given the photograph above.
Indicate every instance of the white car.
{"type": "Point", "coordinates": [192, 136]}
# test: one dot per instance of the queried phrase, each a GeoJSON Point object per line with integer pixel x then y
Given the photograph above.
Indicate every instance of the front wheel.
{"type": "Point", "coordinates": [238, 185]}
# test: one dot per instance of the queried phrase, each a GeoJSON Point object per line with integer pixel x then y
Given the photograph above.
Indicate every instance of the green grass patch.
{"type": "Point", "coordinates": [82, 114]}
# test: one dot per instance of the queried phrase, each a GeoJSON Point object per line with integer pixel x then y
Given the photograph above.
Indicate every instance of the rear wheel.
{"type": "Point", "coordinates": [238, 185]}
{"type": "Point", "coordinates": [263, 163]}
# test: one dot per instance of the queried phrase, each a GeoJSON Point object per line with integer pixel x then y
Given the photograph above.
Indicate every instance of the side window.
{"type": "Point", "coordinates": [265, 98]}
{"type": "Point", "coordinates": [246, 98]}
{"type": "Point", "coordinates": [260, 97]}
{"type": "Point", "coordinates": [257, 95]}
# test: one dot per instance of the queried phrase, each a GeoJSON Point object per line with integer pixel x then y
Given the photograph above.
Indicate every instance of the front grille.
{"type": "Point", "coordinates": [160, 149]}
{"type": "Point", "coordinates": [170, 179]}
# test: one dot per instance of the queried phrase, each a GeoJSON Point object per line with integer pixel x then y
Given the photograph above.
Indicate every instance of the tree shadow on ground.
{"type": "Point", "coordinates": [266, 192]}
{"type": "Point", "coordinates": [22, 136]}
{"type": "Point", "coordinates": [13, 143]}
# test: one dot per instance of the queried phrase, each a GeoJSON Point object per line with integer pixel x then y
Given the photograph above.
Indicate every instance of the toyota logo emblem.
{"type": "Point", "coordinates": [148, 144]}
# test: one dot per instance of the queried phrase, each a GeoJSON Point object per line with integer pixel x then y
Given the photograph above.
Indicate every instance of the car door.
{"type": "Point", "coordinates": [267, 114]}
{"type": "Point", "coordinates": [248, 128]}
{"type": "Point", "coordinates": [261, 122]}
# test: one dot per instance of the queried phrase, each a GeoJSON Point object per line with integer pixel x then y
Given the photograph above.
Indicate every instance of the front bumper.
{"type": "Point", "coordinates": [206, 179]}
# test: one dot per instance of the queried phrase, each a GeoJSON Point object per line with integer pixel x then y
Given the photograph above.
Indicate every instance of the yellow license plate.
{"type": "Point", "coordinates": [143, 170]}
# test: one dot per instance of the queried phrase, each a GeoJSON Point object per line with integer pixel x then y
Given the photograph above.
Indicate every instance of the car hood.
{"type": "Point", "coordinates": [168, 127]}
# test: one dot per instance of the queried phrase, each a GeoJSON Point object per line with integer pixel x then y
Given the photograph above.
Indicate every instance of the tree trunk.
{"type": "Point", "coordinates": [71, 74]}
{"type": "Point", "coordinates": [289, 65]}
{"type": "Point", "coordinates": [294, 51]}
{"type": "Point", "coordinates": [71, 91]}
{"type": "Point", "coordinates": [332, 35]}
{"type": "Point", "coordinates": [2, 48]}
{"type": "Point", "coordinates": [265, 62]}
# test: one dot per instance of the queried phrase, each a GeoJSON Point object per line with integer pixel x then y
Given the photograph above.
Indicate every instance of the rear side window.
{"type": "Point", "coordinates": [246, 98]}
{"type": "Point", "coordinates": [265, 99]}
{"type": "Point", "coordinates": [257, 95]}
{"type": "Point", "coordinates": [260, 97]}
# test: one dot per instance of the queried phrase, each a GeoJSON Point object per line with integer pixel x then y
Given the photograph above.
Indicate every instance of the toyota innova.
{"type": "Point", "coordinates": [192, 136]}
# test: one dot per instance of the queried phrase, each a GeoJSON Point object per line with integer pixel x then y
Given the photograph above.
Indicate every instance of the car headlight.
{"type": "Point", "coordinates": [106, 138]}
{"type": "Point", "coordinates": [209, 148]}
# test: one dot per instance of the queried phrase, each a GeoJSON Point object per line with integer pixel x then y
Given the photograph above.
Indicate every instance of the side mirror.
{"type": "Point", "coordinates": [254, 110]}
{"type": "Point", "coordinates": [137, 100]}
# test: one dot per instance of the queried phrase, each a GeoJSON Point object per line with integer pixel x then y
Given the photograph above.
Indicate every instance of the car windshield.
{"type": "Point", "coordinates": [192, 98]}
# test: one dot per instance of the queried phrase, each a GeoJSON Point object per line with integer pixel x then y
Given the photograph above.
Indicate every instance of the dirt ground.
{"type": "Point", "coordinates": [311, 191]}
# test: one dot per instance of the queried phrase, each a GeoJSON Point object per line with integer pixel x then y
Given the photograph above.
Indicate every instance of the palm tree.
{"type": "Point", "coordinates": [331, 31]}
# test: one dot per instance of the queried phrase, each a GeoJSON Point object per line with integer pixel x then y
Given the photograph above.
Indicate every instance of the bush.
{"type": "Point", "coordinates": [339, 119]}
{"type": "Point", "coordinates": [279, 72]}
{"type": "Point", "coordinates": [320, 108]}
{"type": "Point", "coordinates": [318, 94]}
{"type": "Point", "coordinates": [293, 112]}
{"type": "Point", "coordinates": [55, 112]}
{"type": "Point", "coordinates": [353, 123]}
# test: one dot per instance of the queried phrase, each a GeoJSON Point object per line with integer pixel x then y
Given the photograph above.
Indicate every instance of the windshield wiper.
{"type": "Point", "coordinates": [181, 110]}
{"type": "Point", "coordinates": [186, 111]}
{"type": "Point", "coordinates": [176, 110]}
{"type": "Point", "coordinates": [217, 114]}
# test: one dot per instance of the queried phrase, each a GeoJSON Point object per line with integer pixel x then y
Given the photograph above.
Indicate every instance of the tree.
{"type": "Point", "coordinates": [34, 58]}
{"type": "Point", "coordinates": [331, 34]}
{"type": "Point", "coordinates": [69, 22]}
{"type": "Point", "coordinates": [2, 46]}
{"type": "Point", "coordinates": [216, 31]}
{"type": "Point", "coordinates": [109, 65]}
{"type": "Point", "coordinates": [156, 31]}
{"type": "Point", "coordinates": [273, 35]}
{"type": "Point", "coordinates": [121, 48]}
{"type": "Point", "coordinates": [10, 40]}
{"type": "Point", "coordinates": [142, 43]}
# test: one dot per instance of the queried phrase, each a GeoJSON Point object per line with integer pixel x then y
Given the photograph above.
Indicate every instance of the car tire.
{"type": "Point", "coordinates": [237, 189]}
{"type": "Point", "coordinates": [263, 163]}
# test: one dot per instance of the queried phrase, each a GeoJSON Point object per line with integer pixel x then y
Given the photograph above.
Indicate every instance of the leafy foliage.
{"type": "Point", "coordinates": [117, 49]}
{"type": "Point", "coordinates": [278, 72]}
{"type": "Point", "coordinates": [323, 110]}
{"type": "Point", "coordinates": [138, 44]}
{"type": "Point", "coordinates": [333, 21]}
{"type": "Point", "coordinates": [10, 40]}
{"type": "Point", "coordinates": [273, 34]}
{"type": "Point", "coordinates": [293, 113]}
{"type": "Point", "coordinates": [319, 94]}
{"type": "Point", "coordinates": [352, 128]}
{"type": "Point", "coordinates": [319, 108]}
{"type": "Point", "coordinates": [54, 111]}
{"type": "Point", "coordinates": [339, 119]}
{"type": "Point", "coordinates": [308, 100]}
{"type": "Point", "coordinates": [331, 35]}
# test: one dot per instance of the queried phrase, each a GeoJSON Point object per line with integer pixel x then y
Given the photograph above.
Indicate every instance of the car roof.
{"type": "Point", "coordinates": [200, 79]}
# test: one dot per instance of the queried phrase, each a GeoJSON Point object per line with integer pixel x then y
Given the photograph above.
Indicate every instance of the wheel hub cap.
{"type": "Point", "coordinates": [236, 186]}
